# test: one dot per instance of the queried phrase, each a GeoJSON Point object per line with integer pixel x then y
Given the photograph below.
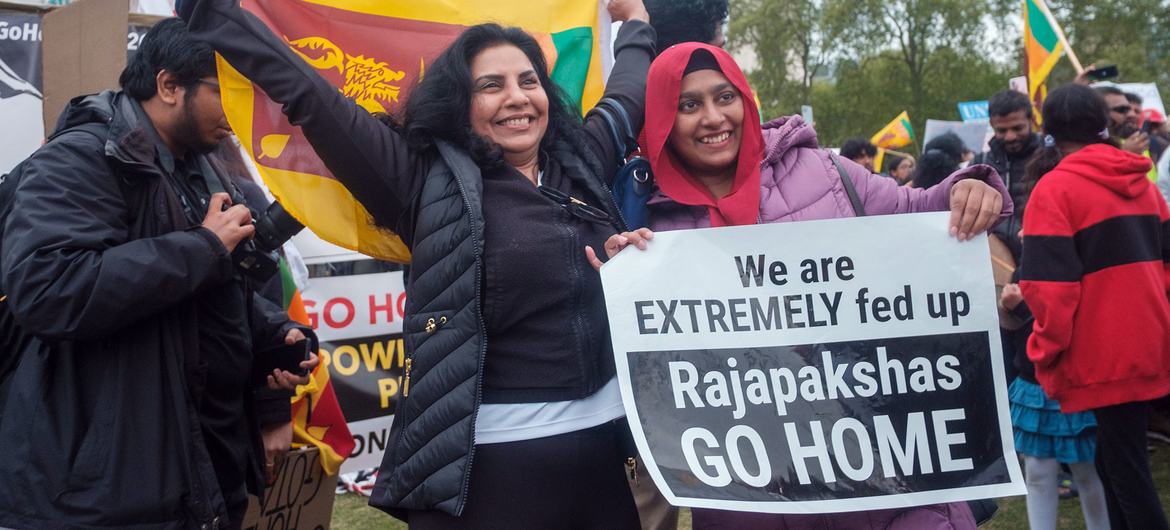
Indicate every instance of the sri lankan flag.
{"type": "Point", "coordinates": [374, 51]}
{"type": "Point", "coordinates": [897, 133]}
{"type": "Point", "coordinates": [1042, 47]}
{"type": "Point", "coordinates": [317, 417]}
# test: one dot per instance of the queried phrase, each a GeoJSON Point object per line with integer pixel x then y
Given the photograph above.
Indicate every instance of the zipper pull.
{"type": "Point", "coordinates": [632, 469]}
{"type": "Point", "coordinates": [406, 379]}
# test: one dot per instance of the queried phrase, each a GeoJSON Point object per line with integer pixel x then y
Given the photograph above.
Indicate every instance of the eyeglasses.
{"type": "Point", "coordinates": [1122, 109]}
{"type": "Point", "coordinates": [213, 83]}
{"type": "Point", "coordinates": [575, 206]}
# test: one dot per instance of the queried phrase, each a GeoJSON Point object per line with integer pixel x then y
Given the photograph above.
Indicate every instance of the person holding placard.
{"type": "Point", "coordinates": [715, 168]}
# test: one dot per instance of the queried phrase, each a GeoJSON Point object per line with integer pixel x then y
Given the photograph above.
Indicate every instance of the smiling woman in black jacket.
{"type": "Point", "coordinates": [496, 188]}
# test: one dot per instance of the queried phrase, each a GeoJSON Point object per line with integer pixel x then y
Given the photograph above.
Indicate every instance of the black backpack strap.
{"type": "Point", "coordinates": [850, 190]}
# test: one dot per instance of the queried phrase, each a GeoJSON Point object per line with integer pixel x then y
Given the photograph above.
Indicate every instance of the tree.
{"type": "Point", "coordinates": [791, 40]}
{"type": "Point", "coordinates": [860, 63]}
{"type": "Point", "coordinates": [916, 31]}
{"type": "Point", "coordinates": [1133, 34]}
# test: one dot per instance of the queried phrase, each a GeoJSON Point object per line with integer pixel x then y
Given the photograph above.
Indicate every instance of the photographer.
{"type": "Point", "coordinates": [155, 388]}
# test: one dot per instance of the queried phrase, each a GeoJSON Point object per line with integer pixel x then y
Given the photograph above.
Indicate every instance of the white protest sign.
{"type": "Point", "coordinates": [814, 367]}
{"type": "Point", "coordinates": [358, 320]}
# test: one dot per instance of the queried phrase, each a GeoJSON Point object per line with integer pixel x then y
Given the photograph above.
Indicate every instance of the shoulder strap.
{"type": "Point", "coordinates": [629, 141]}
{"type": "Point", "coordinates": [850, 190]}
{"type": "Point", "coordinates": [619, 122]}
{"type": "Point", "coordinates": [615, 135]}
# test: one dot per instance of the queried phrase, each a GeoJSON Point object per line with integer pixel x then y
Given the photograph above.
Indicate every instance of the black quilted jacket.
{"type": "Point", "coordinates": [433, 201]}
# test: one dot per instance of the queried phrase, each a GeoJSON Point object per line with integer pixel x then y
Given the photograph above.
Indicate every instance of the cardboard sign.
{"type": "Point", "coordinates": [816, 367]}
{"type": "Point", "coordinates": [301, 498]}
{"type": "Point", "coordinates": [358, 320]}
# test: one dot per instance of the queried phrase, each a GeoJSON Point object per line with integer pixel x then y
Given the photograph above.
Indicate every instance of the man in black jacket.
{"type": "Point", "coordinates": [134, 404]}
{"type": "Point", "coordinates": [1011, 147]}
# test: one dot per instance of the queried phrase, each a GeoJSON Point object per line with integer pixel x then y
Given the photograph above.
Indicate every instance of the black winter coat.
{"type": "Point", "coordinates": [433, 201]}
{"type": "Point", "coordinates": [1012, 169]}
{"type": "Point", "coordinates": [102, 269]}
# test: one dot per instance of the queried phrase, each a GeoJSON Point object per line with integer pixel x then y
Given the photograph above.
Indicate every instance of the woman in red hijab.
{"type": "Point", "coordinates": [715, 166]}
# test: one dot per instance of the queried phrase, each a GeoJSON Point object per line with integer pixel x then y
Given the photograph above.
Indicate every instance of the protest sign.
{"type": "Point", "coordinates": [816, 367]}
{"type": "Point", "coordinates": [974, 110]}
{"type": "Point", "coordinates": [300, 499]}
{"type": "Point", "coordinates": [975, 134]}
{"type": "Point", "coordinates": [20, 87]}
{"type": "Point", "coordinates": [358, 320]}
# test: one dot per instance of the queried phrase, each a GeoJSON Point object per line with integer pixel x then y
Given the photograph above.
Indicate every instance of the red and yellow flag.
{"type": "Point", "coordinates": [317, 417]}
{"type": "Point", "coordinates": [1042, 48]}
{"type": "Point", "coordinates": [374, 51]}
{"type": "Point", "coordinates": [896, 134]}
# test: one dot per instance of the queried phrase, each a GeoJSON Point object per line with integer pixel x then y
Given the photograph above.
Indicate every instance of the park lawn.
{"type": "Point", "coordinates": [350, 511]}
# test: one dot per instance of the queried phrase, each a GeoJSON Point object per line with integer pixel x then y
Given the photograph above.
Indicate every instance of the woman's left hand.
{"type": "Point", "coordinates": [975, 206]}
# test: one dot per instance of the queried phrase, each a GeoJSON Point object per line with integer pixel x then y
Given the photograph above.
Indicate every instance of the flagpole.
{"type": "Point", "coordinates": [1072, 56]}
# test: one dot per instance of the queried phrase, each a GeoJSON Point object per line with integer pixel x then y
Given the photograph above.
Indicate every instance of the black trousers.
{"type": "Point", "coordinates": [572, 481]}
{"type": "Point", "coordinates": [1124, 466]}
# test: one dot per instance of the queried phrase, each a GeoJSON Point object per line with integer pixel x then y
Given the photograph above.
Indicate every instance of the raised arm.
{"type": "Point", "coordinates": [371, 160]}
{"type": "Point", "coordinates": [633, 52]}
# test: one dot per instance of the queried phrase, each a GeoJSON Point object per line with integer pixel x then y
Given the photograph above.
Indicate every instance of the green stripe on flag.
{"type": "Point", "coordinates": [288, 286]}
{"type": "Point", "coordinates": [1042, 30]}
{"type": "Point", "coordinates": [574, 52]}
{"type": "Point", "coordinates": [909, 130]}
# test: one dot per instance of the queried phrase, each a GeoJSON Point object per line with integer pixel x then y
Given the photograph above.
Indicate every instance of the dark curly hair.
{"type": "Point", "coordinates": [678, 21]}
{"type": "Point", "coordinates": [439, 107]}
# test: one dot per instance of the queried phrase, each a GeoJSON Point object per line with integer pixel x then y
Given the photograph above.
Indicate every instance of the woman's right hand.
{"type": "Point", "coordinates": [623, 10]}
{"type": "Point", "coordinates": [617, 242]}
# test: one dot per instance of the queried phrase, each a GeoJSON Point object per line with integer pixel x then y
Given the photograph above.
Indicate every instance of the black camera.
{"type": "Point", "coordinates": [257, 258]}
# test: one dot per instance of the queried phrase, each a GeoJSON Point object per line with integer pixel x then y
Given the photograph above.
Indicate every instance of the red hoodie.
{"type": "Point", "coordinates": [1095, 274]}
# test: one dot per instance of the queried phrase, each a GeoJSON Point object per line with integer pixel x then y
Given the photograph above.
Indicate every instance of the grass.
{"type": "Point", "coordinates": [350, 511]}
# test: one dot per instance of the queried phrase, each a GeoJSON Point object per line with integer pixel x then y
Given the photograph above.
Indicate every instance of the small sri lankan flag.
{"type": "Point", "coordinates": [374, 51]}
{"type": "Point", "coordinates": [1042, 49]}
{"type": "Point", "coordinates": [316, 414]}
{"type": "Point", "coordinates": [898, 133]}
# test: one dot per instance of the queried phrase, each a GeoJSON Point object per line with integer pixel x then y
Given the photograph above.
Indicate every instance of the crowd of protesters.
{"type": "Point", "coordinates": [140, 387]}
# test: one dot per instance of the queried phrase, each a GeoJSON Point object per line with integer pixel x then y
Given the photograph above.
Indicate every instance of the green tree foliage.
{"type": "Point", "coordinates": [1132, 34]}
{"type": "Point", "coordinates": [861, 62]}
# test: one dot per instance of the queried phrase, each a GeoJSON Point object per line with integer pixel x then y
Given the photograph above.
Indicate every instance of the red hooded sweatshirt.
{"type": "Point", "coordinates": [1095, 274]}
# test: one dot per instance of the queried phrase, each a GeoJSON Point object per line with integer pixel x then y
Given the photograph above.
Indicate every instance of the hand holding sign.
{"type": "Point", "coordinates": [617, 242]}
{"type": "Point", "coordinates": [815, 367]}
{"type": "Point", "coordinates": [975, 206]}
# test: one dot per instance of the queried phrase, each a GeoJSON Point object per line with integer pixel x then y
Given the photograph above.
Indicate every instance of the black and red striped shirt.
{"type": "Point", "coordinates": [1095, 273]}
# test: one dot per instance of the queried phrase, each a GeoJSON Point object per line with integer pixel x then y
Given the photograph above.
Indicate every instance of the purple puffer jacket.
{"type": "Point", "coordinates": [799, 182]}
